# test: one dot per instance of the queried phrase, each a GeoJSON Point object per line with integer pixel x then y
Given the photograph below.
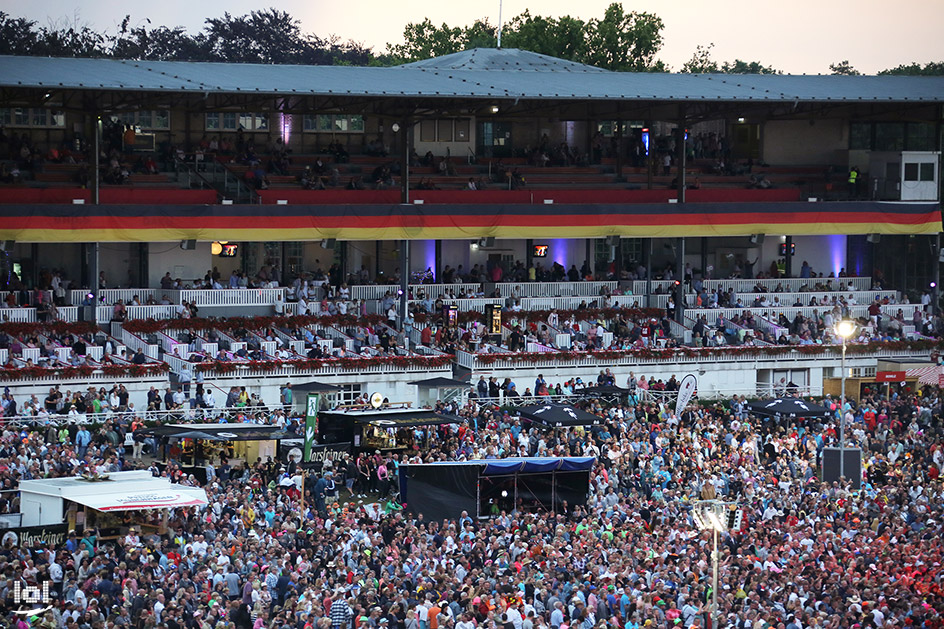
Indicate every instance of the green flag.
{"type": "Point", "coordinates": [311, 425]}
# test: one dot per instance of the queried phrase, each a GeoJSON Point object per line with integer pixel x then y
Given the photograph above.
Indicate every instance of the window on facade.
{"type": "Point", "coordinates": [860, 136]}
{"type": "Point", "coordinates": [920, 137]}
{"type": "Point", "coordinates": [444, 132]}
{"type": "Point", "coordinates": [333, 123]}
{"type": "Point", "coordinates": [35, 117]}
{"type": "Point", "coordinates": [348, 393]}
{"type": "Point", "coordinates": [911, 172]}
{"type": "Point", "coordinates": [927, 172]}
{"type": "Point", "coordinates": [889, 136]}
{"type": "Point", "coordinates": [230, 121]}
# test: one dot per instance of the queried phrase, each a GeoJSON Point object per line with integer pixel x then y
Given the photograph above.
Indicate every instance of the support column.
{"type": "Point", "coordinates": [618, 258]}
{"type": "Point", "coordinates": [588, 253]}
{"type": "Point", "coordinates": [619, 150]}
{"type": "Point", "coordinates": [788, 258]}
{"type": "Point", "coordinates": [680, 249]}
{"type": "Point", "coordinates": [406, 130]}
{"type": "Point", "coordinates": [377, 249]}
{"type": "Point", "coordinates": [342, 262]}
{"type": "Point", "coordinates": [34, 270]}
{"type": "Point", "coordinates": [143, 268]}
{"type": "Point", "coordinates": [704, 257]}
{"type": "Point", "coordinates": [936, 275]}
{"type": "Point", "coordinates": [438, 270]}
{"type": "Point", "coordinates": [528, 253]}
{"type": "Point", "coordinates": [95, 175]}
{"type": "Point", "coordinates": [404, 279]}
{"type": "Point", "coordinates": [648, 254]}
{"type": "Point", "coordinates": [648, 125]}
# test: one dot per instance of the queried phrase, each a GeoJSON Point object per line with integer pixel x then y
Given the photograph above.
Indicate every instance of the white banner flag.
{"type": "Point", "coordinates": [686, 390]}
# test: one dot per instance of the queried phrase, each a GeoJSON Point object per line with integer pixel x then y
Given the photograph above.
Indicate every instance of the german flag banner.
{"type": "Point", "coordinates": [152, 223]}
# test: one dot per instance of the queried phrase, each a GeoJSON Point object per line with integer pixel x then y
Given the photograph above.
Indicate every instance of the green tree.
{"type": "Point", "coordinates": [624, 41]}
{"type": "Point", "coordinates": [702, 63]}
{"type": "Point", "coordinates": [18, 36]}
{"type": "Point", "coordinates": [565, 37]}
{"type": "Point", "coordinates": [916, 69]}
{"type": "Point", "coordinates": [424, 40]}
{"type": "Point", "coordinates": [843, 68]}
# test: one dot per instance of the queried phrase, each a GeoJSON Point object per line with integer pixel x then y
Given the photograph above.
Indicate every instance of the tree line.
{"type": "Point", "coordinates": [618, 40]}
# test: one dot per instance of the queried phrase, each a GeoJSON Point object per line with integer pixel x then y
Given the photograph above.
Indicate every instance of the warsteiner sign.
{"type": "Point", "coordinates": [53, 535]}
{"type": "Point", "coordinates": [327, 452]}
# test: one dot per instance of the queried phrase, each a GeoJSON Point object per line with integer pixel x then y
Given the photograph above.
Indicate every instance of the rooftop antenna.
{"type": "Point", "coordinates": [499, 22]}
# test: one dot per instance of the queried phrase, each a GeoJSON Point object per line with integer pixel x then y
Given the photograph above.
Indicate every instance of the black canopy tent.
{"type": "Point", "coordinates": [558, 416]}
{"type": "Point", "coordinates": [378, 430]}
{"type": "Point", "coordinates": [300, 394]}
{"type": "Point", "coordinates": [608, 392]}
{"type": "Point", "coordinates": [485, 487]}
{"type": "Point", "coordinates": [788, 407]}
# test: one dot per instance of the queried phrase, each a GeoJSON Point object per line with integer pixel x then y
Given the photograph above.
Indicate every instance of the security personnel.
{"type": "Point", "coordinates": [853, 180]}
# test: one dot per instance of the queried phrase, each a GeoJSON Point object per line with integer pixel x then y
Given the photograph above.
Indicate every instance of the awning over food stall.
{"type": "Point", "coordinates": [176, 496]}
{"type": "Point", "coordinates": [409, 420]}
{"type": "Point", "coordinates": [218, 432]}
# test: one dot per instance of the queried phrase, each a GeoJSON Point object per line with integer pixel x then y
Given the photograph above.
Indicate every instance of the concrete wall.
{"type": "Point", "coordinates": [187, 265]}
{"type": "Point", "coordinates": [797, 142]}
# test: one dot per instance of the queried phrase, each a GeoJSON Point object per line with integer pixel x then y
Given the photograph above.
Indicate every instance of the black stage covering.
{"type": "Point", "coordinates": [559, 416]}
{"type": "Point", "coordinates": [442, 491]}
{"type": "Point", "coordinates": [603, 390]}
{"type": "Point", "coordinates": [788, 407]}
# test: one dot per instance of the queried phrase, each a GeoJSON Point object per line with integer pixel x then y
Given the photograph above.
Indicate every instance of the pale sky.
{"type": "Point", "coordinates": [799, 36]}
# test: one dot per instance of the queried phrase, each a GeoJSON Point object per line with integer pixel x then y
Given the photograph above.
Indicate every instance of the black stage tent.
{"type": "Point", "coordinates": [602, 390]}
{"type": "Point", "coordinates": [357, 426]}
{"type": "Point", "coordinates": [788, 407]}
{"type": "Point", "coordinates": [559, 416]}
{"type": "Point", "coordinates": [485, 487]}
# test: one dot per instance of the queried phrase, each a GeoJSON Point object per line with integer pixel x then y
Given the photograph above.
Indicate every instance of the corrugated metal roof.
{"type": "Point", "coordinates": [478, 73]}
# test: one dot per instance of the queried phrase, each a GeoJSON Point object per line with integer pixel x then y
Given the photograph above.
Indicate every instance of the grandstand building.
{"type": "Point", "coordinates": [414, 183]}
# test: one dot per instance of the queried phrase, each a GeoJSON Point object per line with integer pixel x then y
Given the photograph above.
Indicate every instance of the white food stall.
{"type": "Point", "coordinates": [58, 500]}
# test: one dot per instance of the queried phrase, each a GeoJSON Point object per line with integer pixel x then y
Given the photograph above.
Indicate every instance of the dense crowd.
{"type": "Point", "coordinates": [809, 554]}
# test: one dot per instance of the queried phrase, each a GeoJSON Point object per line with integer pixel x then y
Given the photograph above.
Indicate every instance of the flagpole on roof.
{"type": "Point", "coordinates": [499, 22]}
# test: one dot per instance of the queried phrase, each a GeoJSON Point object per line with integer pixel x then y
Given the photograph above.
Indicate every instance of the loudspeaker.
{"type": "Point", "coordinates": [853, 465]}
{"type": "Point", "coordinates": [874, 238]}
{"type": "Point", "coordinates": [612, 241]}
{"type": "Point", "coordinates": [486, 242]}
{"type": "Point", "coordinates": [7, 245]}
{"type": "Point", "coordinates": [188, 245]}
{"type": "Point", "coordinates": [328, 243]}
{"type": "Point", "coordinates": [757, 239]}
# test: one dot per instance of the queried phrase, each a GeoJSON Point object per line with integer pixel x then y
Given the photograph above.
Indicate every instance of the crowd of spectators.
{"type": "Point", "coordinates": [809, 554]}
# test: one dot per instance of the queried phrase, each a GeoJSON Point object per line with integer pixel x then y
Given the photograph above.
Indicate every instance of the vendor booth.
{"type": "Point", "coordinates": [385, 430]}
{"type": "Point", "coordinates": [558, 416]}
{"type": "Point", "coordinates": [486, 487]}
{"type": "Point", "coordinates": [193, 446]}
{"type": "Point", "coordinates": [110, 503]}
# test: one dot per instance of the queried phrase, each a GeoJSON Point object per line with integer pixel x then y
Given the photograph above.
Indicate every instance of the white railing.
{"type": "Point", "coordinates": [103, 314]}
{"type": "Point", "coordinates": [18, 315]}
{"type": "Point", "coordinates": [786, 300]}
{"type": "Point", "coordinates": [330, 368]}
{"type": "Point", "coordinates": [792, 284]}
{"type": "Point", "coordinates": [556, 289]}
{"type": "Point", "coordinates": [377, 291]}
{"type": "Point", "coordinates": [497, 361]}
{"type": "Point", "coordinates": [232, 297]}
{"type": "Point", "coordinates": [109, 296]}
